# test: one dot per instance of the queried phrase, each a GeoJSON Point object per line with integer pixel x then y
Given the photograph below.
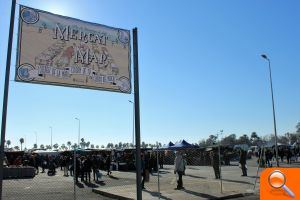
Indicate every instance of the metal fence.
{"type": "Point", "coordinates": [111, 174]}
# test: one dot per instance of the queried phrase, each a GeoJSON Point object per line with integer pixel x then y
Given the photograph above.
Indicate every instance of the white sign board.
{"type": "Point", "coordinates": [58, 50]}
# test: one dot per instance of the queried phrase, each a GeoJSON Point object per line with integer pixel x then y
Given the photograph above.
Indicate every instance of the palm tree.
{"type": "Point", "coordinates": [69, 144]}
{"type": "Point", "coordinates": [87, 144]}
{"type": "Point", "coordinates": [74, 146]}
{"type": "Point", "coordinates": [21, 141]}
{"type": "Point", "coordinates": [55, 146]}
{"type": "Point", "coordinates": [82, 144]}
{"type": "Point", "coordinates": [63, 146]}
{"type": "Point", "coordinates": [8, 142]}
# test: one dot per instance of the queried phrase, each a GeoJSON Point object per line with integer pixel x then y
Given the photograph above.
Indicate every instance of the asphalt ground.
{"type": "Point", "coordinates": [44, 187]}
{"type": "Point", "coordinates": [61, 187]}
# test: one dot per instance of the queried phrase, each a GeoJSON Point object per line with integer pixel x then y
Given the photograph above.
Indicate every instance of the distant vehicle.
{"type": "Point", "coordinates": [245, 147]}
{"type": "Point", "coordinates": [254, 149]}
{"type": "Point", "coordinates": [46, 152]}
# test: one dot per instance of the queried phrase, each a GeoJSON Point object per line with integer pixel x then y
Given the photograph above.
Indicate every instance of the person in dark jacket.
{"type": "Point", "coordinates": [289, 155]}
{"type": "Point", "coordinates": [95, 166]}
{"type": "Point", "coordinates": [87, 168]}
{"type": "Point", "coordinates": [77, 170]}
{"type": "Point", "coordinates": [214, 158]}
{"type": "Point", "coordinates": [161, 161]}
{"type": "Point", "coordinates": [143, 171]}
{"type": "Point", "coordinates": [107, 164]}
{"type": "Point", "coordinates": [243, 158]}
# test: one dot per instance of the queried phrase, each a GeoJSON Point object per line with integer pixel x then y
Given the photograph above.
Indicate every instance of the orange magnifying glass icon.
{"type": "Point", "coordinates": [277, 180]}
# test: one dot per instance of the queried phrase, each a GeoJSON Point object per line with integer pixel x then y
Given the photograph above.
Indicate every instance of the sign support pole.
{"type": "Point", "coordinates": [157, 163]}
{"type": "Point", "coordinates": [5, 94]}
{"type": "Point", "coordinates": [137, 116]}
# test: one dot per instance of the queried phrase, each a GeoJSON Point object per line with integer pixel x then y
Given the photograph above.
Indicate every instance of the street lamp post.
{"type": "Point", "coordinates": [274, 118]}
{"type": "Point", "coordinates": [75, 174]}
{"type": "Point", "coordinates": [25, 141]}
{"type": "Point", "coordinates": [78, 129]}
{"type": "Point", "coordinates": [51, 135]}
{"type": "Point", "coordinates": [132, 121]}
{"type": "Point", "coordinates": [36, 139]}
{"type": "Point", "coordinates": [220, 167]}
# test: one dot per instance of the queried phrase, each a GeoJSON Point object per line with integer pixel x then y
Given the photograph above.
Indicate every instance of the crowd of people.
{"type": "Point", "coordinates": [266, 155]}
{"type": "Point", "coordinates": [82, 168]}
{"type": "Point", "coordinates": [88, 167]}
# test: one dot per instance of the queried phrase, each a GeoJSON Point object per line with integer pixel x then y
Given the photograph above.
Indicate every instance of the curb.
{"type": "Point", "coordinates": [236, 195]}
{"type": "Point", "coordinates": [114, 196]}
{"type": "Point", "coordinates": [110, 195]}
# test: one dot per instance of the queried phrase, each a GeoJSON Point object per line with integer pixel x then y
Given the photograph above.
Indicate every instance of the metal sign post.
{"type": "Point", "coordinates": [137, 115]}
{"type": "Point", "coordinates": [6, 88]}
{"type": "Point", "coordinates": [157, 162]}
{"type": "Point", "coordinates": [259, 163]}
{"type": "Point", "coordinates": [74, 173]}
{"type": "Point", "coordinates": [221, 184]}
{"type": "Point", "coordinates": [220, 166]}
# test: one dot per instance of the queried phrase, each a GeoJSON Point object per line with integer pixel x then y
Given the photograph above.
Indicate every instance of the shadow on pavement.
{"type": "Point", "coordinates": [100, 183]}
{"type": "Point", "coordinates": [193, 176]}
{"type": "Point", "coordinates": [91, 185]}
{"type": "Point", "coordinates": [113, 177]}
{"type": "Point", "coordinates": [164, 172]}
{"type": "Point", "coordinates": [198, 194]}
{"type": "Point", "coordinates": [236, 181]}
{"type": "Point", "coordinates": [156, 194]}
{"type": "Point", "coordinates": [80, 185]}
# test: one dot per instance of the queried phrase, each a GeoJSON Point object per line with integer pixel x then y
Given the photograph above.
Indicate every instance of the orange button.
{"type": "Point", "coordinates": [280, 183]}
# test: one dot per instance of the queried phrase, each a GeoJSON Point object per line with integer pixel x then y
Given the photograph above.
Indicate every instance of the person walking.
{"type": "Point", "coordinates": [243, 158]}
{"type": "Point", "coordinates": [179, 170]}
{"type": "Point", "coordinates": [214, 158]}
{"type": "Point", "coordinates": [77, 168]}
{"type": "Point", "coordinates": [94, 166]}
{"type": "Point", "coordinates": [289, 156]}
{"type": "Point", "coordinates": [87, 165]}
{"type": "Point", "coordinates": [143, 169]}
{"type": "Point", "coordinates": [161, 160]}
{"type": "Point", "coordinates": [82, 168]}
{"type": "Point", "coordinates": [107, 164]}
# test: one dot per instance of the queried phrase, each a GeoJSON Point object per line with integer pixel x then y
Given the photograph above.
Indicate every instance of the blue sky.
{"type": "Point", "coordinates": [200, 72]}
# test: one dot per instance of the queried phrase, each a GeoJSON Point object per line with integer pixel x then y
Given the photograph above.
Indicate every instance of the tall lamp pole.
{"type": "Point", "coordinates": [75, 174]}
{"type": "Point", "coordinates": [274, 118]}
{"type": "Point", "coordinates": [220, 164]}
{"type": "Point", "coordinates": [132, 121]}
{"type": "Point", "coordinates": [36, 139]}
{"type": "Point", "coordinates": [78, 129]}
{"type": "Point", "coordinates": [51, 135]}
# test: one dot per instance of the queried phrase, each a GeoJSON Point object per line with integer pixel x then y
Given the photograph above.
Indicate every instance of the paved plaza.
{"type": "Point", "coordinates": [199, 183]}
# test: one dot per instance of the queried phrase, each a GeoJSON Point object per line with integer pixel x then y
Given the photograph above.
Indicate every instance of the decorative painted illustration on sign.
{"type": "Point", "coordinates": [58, 50]}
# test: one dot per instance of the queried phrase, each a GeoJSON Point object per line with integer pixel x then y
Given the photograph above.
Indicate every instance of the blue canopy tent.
{"type": "Point", "coordinates": [167, 146]}
{"type": "Point", "coordinates": [182, 144]}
